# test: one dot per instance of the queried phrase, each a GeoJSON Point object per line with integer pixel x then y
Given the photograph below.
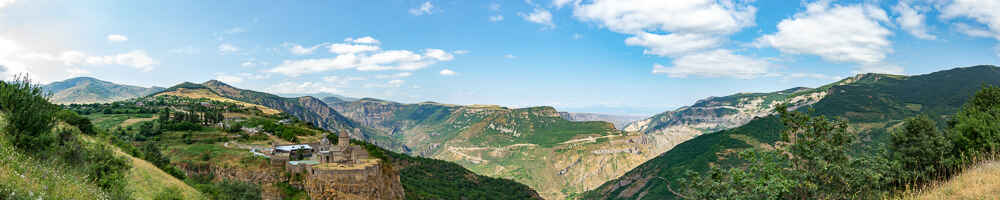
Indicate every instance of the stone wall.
{"type": "Point", "coordinates": [368, 182]}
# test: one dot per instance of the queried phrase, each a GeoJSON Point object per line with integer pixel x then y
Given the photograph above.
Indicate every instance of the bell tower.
{"type": "Point", "coordinates": [344, 139]}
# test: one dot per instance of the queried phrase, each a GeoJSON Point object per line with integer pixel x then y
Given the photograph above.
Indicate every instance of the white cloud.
{"type": "Point", "coordinates": [438, 54]}
{"type": "Point", "coordinates": [341, 48]}
{"type": "Point", "coordinates": [136, 59]}
{"type": "Point", "coordinates": [672, 44]}
{"type": "Point", "coordinates": [363, 40]}
{"type": "Point", "coordinates": [679, 16]}
{"type": "Point", "coordinates": [539, 16]}
{"type": "Point", "coordinates": [669, 28]}
{"type": "Point", "coordinates": [460, 52]}
{"type": "Point", "coordinates": [300, 50]}
{"type": "Point", "coordinates": [117, 38]}
{"type": "Point", "coordinates": [189, 50]}
{"type": "Point", "coordinates": [228, 48]}
{"type": "Point", "coordinates": [510, 56]}
{"type": "Point", "coordinates": [5, 3]}
{"type": "Point", "coordinates": [972, 31]}
{"type": "Point", "coordinates": [911, 20]}
{"type": "Point", "coordinates": [228, 78]}
{"type": "Point", "coordinates": [577, 36]}
{"type": "Point", "coordinates": [301, 88]}
{"type": "Point", "coordinates": [394, 76]}
{"type": "Point", "coordinates": [447, 72]}
{"type": "Point", "coordinates": [835, 33]}
{"type": "Point", "coordinates": [424, 9]}
{"type": "Point", "coordinates": [561, 3]}
{"type": "Point", "coordinates": [717, 63]}
{"type": "Point", "coordinates": [985, 12]}
{"type": "Point", "coordinates": [364, 58]}
{"type": "Point", "coordinates": [496, 18]}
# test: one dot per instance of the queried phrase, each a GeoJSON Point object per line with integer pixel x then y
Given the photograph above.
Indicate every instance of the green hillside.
{"type": "Point", "coordinates": [873, 104]}
{"type": "Point", "coordinates": [91, 90]}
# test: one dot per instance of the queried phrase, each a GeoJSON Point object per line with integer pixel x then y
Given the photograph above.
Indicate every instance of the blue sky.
{"type": "Point", "coordinates": [622, 57]}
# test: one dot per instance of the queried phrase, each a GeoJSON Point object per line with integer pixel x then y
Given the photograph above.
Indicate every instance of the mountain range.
{"type": "Point", "coordinates": [82, 90]}
{"type": "Point", "coordinates": [873, 104]}
{"type": "Point", "coordinates": [595, 156]}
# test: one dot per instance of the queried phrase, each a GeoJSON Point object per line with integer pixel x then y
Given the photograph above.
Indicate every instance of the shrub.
{"type": "Point", "coordinates": [28, 115]}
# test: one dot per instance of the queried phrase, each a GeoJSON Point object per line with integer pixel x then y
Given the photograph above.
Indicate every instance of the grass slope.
{"type": "Point", "coordinates": [979, 182]}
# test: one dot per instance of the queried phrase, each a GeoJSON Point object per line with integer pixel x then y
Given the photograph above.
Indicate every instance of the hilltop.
{"type": "Point", "coordinates": [92, 90]}
{"type": "Point", "coordinates": [873, 105]}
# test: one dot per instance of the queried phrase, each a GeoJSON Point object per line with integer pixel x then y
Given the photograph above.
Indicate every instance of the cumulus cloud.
{"type": "Point", "coordinates": [539, 16]}
{"type": "Point", "coordinates": [341, 48]}
{"type": "Point", "coordinates": [984, 12]}
{"type": "Point", "coordinates": [228, 48]}
{"type": "Point", "coordinates": [301, 88]}
{"type": "Point", "coordinates": [679, 16]}
{"type": "Point", "coordinates": [364, 57]}
{"type": "Point", "coordinates": [672, 44]}
{"type": "Point", "coordinates": [117, 38]}
{"type": "Point", "coordinates": [510, 56]}
{"type": "Point", "coordinates": [561, 3]}
{"type": "Point", "coordinates": [424, 9]}
{"type": "Point", "coordinates": [300, 50]}
{"type": "Point", "coordinates": [912, 20]}
{"type": "Point", "coordinates": [668, 28]}
{"type": "Point", "coordinates": [460, 52]}
{"type": "Point", "coordinates": [717, 63]}
{"type": "Point", "coordinates": [136, 59]}
{"type": "Point", "coordinates": [834, 32]}
{"type": "Point", "coordinates": [447, 72]}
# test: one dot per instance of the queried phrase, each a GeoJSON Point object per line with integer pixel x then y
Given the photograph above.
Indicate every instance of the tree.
{"type": "Point", "coordinates": [812, 161]}
{"type": "Point", "coordinates": [27, 113]}
{"type": "Point", "coordinates": [976, 129]}
{"type": "Point", "coordinates": [920, 148]}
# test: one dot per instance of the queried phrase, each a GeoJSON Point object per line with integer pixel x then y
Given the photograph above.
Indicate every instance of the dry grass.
{"type": "Point", "coordinates": [978, 182]}
{"type": "Point", "coordinates": [146, 181]}
{"type": "Point", "coordinates": [130, 121]}
{"type": "Point", "coordinates": [203, 93]}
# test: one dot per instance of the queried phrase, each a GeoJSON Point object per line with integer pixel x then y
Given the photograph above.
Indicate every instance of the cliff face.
{"type": "Point", "coordinates": [370, 182]}
{"type": "Point", "coordinates": [666, 130]}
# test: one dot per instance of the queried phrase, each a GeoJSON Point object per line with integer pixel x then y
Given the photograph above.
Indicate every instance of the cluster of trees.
{"type": "Point", "coordinates": [818, 158]}
{"type": "Point", "coordinates": [189, 120]}
{"type": "Point", "coordinates": [29, 123]}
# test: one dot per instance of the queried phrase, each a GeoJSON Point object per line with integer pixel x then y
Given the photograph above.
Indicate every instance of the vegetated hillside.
{"type": "Point", "coordinates": [535, 146]}
{"type": "Point", "coordinates": [308, 109]}
{"type": "Point", "coordinates": [873, 104]}
{"type": "Point", "coordinates": [618, 120]}
{"type": "Point", "coordinates": [217, 158]}
{"type": "Point", "coordinates": [91, 90]}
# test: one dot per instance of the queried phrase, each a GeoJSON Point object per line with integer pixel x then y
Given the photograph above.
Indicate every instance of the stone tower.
{"type": "Point", "coordinates": [344, 139]}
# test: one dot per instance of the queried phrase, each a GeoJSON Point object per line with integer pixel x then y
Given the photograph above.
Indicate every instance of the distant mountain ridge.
{"type": "Point", "coordinates": [83, 90]}
{"type": "Point", "coordinates": [873, 104]}
{"type": "Point", "coordinates": [618, 120]}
